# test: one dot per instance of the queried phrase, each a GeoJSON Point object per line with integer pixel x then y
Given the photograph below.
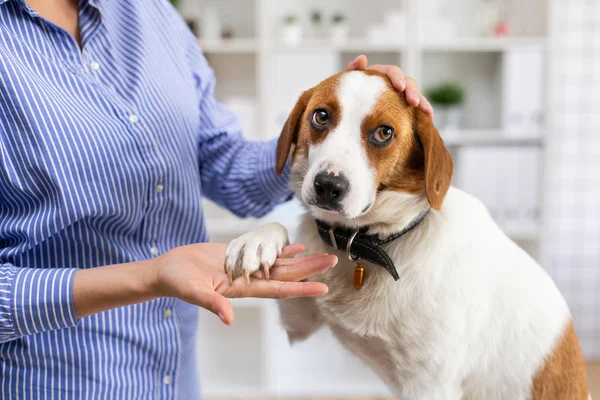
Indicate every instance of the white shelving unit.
{"type": "Point", "coordinates": [252, 359]}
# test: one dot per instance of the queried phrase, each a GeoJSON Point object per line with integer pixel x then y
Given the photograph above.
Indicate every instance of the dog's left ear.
{"type": "Point", "coordinates": [289, 133]}
{"type": "Point", "coordinates": [439, 166]}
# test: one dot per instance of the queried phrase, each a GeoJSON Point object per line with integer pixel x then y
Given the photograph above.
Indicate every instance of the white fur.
{"type": "Point", "coordinates": [342, 151]}
{"type": "Point", "coordinates": [472, 315]}
{"type": "Point", "coordinates": [251, 251]}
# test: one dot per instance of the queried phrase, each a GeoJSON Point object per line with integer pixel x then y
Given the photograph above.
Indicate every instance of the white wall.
{"type": "Point", "coordinates": [572, 245]}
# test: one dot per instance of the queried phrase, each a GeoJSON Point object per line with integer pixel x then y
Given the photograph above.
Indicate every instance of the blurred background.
{"type": "Point", "coordinates": [516, 91]}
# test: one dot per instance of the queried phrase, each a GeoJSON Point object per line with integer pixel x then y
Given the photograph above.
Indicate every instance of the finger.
{"type": "Point", "coordinates": [217, 304]}
{"type": "Point", "coordinates": [295, 273]}
{"type": "Point", "coordinates": [292, 250]}
{"type": "Point", "coordinates": [290, 263]}
{"type": "Point", "coordinates": [412, 93]}
{"type": "Point", "coordinates": [426, 106]}
{"type": "Point", "coordinates": [359, 63]}
{"type": "Point", "coordinates": [282, 290]}
{"type": "Point", "coordinates": [297, 260]}
{"type": "Point", "coordinates": [394, 73]}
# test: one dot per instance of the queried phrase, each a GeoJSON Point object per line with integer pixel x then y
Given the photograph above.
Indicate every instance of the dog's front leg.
{"type": "Point", "coordinates": [300, 317]}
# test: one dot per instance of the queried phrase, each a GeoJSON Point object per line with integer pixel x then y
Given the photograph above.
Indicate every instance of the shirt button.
{"type": "Point", "coordinates": [167, 379]}
{"type": "Point", "coordinates": [154, 251]}
{"type": "Point", "coordinates": [159, 188]}
{"type": "Point", "coordinates": [167, 313]}
{"type": "Point", "coordinates": [134, 119]}
{"type": "Point", "coordinates": [94, 66]}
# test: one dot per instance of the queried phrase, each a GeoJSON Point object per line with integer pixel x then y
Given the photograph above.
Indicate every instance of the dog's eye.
{"type": "Point", "coordinates": [382, 135]}
{"type": "Point", "coordinates": [320, 119]}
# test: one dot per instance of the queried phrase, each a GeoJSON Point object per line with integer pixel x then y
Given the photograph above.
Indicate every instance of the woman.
{"type": "Point", "coordinates": [110, 135]}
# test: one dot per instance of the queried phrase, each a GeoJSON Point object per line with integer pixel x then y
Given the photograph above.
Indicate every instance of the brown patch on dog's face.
{"type": "Point", "coordinates": [562, 377]}
{"type": "Point", "coordinates": [399, 164]}
{"type": "Point", "coordinates": [322, 98]}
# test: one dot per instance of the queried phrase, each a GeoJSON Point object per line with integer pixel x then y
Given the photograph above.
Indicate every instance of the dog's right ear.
{"type": "Point", "coordinates": [289, 133]}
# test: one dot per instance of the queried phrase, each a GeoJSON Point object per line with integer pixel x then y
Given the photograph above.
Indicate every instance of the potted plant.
{"type": "Point", "coordinates": [291, 32]}
{"type": "Point", "coordinates": [316, 20]}
{"type": "Point", "coordinates": [339, 30]}
{"type": "Point", "coordinates": [447, 99]}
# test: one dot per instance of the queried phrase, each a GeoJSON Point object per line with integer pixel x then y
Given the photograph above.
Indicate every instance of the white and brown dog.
{"type": "Point", "coordinates": [450, 308]}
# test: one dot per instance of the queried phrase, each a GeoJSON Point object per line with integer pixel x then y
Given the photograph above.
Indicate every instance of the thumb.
{"type": "Point", "coordinates": [217, 304]}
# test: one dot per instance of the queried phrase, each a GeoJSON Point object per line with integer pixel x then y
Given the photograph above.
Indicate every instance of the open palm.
{"type": "Point", "coordinates": [195, 274]}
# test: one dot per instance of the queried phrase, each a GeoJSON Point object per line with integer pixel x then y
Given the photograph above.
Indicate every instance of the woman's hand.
{"type": "Point", "coordinates": [195, 274]}
{"type": "Point", "coordinates": [399, 81]}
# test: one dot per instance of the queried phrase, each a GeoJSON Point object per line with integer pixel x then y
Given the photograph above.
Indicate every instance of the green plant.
{"type": "Point", "coordinates": [446, 94]}
{"type": "Point", "coordinates": [176, 3]}
{"type": "Point", "coordinates": [316, 17]}
{"type": "Point", "coordinates": [338, 18]}
{"type": "Point", "coordinates": [290, 19]}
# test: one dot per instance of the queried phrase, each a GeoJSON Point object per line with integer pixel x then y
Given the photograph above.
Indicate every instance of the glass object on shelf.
{"type": "Point", "coordinates": [447, 99]}
{"type": "Point", "coordinates": [316, 24]}
{"type": "Point", "coordinates": [492, 18]}
{"type": "Point", "coordinates": [339, 30]}
{"type": "Point", "coordinates": [291, 30]}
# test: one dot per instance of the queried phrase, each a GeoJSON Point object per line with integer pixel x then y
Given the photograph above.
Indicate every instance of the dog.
{"type": "Point", "coordinates": [428, 291]}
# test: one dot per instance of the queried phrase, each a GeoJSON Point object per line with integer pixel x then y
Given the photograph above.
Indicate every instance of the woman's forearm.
{"type": "Point", "coordinates": [104, 288]}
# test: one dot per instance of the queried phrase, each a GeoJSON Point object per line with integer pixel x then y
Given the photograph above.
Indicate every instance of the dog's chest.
{"type": "Point", "coordinates": [377, 322]}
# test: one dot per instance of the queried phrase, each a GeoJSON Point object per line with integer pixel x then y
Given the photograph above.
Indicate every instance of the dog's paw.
{"type": "Point", "coordinates": [255, 250]}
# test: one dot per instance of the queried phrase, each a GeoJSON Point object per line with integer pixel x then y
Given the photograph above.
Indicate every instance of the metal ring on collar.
{"type": "Point", "coordinates": [349, 246]}
{"type": "Point", "coordinates": [332, 238]}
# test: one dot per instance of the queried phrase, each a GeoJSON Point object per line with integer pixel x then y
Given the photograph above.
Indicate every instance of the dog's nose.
{"type": "Point", "coordinates": [330, 188]}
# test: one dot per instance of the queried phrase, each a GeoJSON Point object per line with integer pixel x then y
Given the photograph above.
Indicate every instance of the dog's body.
{"type": "Point", "coordinates": [472, 316]}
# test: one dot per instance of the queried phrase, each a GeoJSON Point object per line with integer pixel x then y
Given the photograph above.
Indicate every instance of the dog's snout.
{"type": "Point", "coordinates": [330, 188]}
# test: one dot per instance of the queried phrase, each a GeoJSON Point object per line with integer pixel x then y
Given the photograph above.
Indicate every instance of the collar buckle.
{"type": "Point", "coordinates": [349, 246]}
{"type": "Point", "coordinates": [332, 238]}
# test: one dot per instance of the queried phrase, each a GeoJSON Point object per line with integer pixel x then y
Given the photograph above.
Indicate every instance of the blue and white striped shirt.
{"type": "Point", "coordinates": [105, 154]}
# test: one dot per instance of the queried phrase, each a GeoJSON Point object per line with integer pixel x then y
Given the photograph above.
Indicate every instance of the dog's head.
{"type": "Point", "coordinates": [354, 137]}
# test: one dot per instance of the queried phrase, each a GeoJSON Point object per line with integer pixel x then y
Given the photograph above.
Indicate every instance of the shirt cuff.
{"type": "Point", "coordinates": [276, 187]}
{"type": "Point", "coordinates": [43, 300]}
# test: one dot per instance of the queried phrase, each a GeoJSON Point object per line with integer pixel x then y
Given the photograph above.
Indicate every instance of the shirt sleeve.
{"type": "Point", "coordinates": [236, 173]}
{"type": "Point", "coordinates": [34, 300]}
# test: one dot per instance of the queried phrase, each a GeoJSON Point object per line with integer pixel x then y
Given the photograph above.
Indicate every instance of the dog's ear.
{"type": "Point", "coordinates": [439, 166]}
{"type": "Point", "coordinates": [289, 133]}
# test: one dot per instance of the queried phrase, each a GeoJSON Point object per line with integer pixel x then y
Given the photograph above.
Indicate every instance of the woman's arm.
{"type": "Point", "coordinates": [194, 274]}
{"type": "Point", "coordinates": [34, 300]}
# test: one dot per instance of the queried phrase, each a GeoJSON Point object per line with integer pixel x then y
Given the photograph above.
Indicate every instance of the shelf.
{"type": "Point", "coordinates": [475, 44]}
{"type": "Point", "coordinates": [228, 46]}
{"type": "Point", "coordinates": [351, 45]}
{"type": "Point", "coordinates": [483, 44]}
{"type": "Point", "coordinates": [491, 137]}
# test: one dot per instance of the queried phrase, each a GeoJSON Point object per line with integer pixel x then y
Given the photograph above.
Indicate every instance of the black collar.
{"type": "Point", "coordinates": [359, 245]}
